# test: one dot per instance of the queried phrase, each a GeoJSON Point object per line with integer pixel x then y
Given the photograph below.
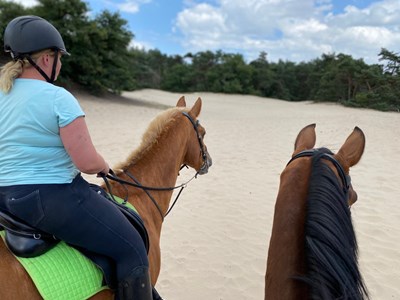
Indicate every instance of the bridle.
{"type": "Point", "coordinates": [203, 169]}
{"type": "Point", "coordinates": [328, 155]}
{"type": "Point", "coordinates": [135, 183]}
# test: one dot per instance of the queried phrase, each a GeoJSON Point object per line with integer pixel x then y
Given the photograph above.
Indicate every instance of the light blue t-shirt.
{"type": "Point", "coordinates": [31, 150]}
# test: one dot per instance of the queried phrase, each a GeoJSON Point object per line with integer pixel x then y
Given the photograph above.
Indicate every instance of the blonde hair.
{"type": "Point", "coordinates": [14, 69]}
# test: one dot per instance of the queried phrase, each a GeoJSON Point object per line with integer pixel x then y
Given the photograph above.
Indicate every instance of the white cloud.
{"type": "Point", "coordinates": [132, 6]}
{"type": "Point", "coordinates": [290, 30]}
{"type": "Point", "coordinates": [303, 28]}
{"type": "Point", "coordinates": [203, 21]}
{"type": "Point", "coordinates": [140, 45]}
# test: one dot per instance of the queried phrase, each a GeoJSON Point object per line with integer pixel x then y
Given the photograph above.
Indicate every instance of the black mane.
{"type": "Point", "coordinates": [330, 241]}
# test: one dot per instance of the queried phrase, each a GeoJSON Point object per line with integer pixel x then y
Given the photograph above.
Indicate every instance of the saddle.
{"type": "Point", "coordinates": [27, 242]}
{"type": "Point", "coordinates": [24, 240]}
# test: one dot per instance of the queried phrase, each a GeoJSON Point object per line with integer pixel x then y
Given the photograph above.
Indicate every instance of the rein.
{"type": "Point", "coordinates": [146, 189]}
{"type": "Point", "coordinates": [135, 183]}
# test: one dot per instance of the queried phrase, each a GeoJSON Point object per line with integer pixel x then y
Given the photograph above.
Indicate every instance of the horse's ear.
{"type": "Point", "coordinates": [353, 148]}
{"type": "Point", "coordinates": [305, 139]}
{"type": "Point", "coordinates": [195, 111]}
{"type": "Point", "coordinates": [181, 102]}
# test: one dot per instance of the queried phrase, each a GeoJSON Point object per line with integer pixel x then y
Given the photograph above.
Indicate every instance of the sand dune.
{"type": "Point", "coordinates": [214, 242]}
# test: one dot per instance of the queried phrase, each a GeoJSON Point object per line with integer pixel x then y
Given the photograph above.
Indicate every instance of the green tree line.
{"type": "Point", "coordinates": [102, 60]}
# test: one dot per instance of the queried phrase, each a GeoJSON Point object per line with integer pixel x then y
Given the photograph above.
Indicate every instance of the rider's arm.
{"type": "Point", "coordinates": [78, 143]}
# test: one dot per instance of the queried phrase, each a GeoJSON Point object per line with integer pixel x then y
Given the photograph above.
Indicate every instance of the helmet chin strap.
{"type": "Point", "coordinates": [53, 71]}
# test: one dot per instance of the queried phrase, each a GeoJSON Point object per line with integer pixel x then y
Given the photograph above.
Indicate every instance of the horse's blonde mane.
{"type": "Point", "coordinates": [160, 124]}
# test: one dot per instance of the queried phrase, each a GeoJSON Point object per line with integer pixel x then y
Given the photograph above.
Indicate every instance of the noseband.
{"type": "Point", "coordinates": [205, 166]}
{"type": "Point", "coordinates": [328, 155]}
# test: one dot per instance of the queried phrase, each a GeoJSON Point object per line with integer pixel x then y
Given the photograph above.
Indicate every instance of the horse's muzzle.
{"type": "Point", "coordinates": [206, 164]}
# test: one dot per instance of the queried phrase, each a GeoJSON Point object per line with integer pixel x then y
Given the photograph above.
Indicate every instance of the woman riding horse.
{"type": "Point", "coordinates": [45, 145]}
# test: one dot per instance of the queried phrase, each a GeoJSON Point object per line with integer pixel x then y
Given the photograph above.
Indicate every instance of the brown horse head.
{"type": "Point", "coordinates": [349, 154]}
{"type": "Point", "coordinates": [197, 155]}
{"type": "Point", "coordinates": [313, 250]}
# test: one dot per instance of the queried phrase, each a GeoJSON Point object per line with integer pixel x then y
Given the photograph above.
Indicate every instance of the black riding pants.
{"type": "Point", "coordinates": [79, 216]}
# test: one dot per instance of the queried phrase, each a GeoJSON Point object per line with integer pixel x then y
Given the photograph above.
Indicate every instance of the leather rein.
{"type": "Point", "coordinates": [135, 183]}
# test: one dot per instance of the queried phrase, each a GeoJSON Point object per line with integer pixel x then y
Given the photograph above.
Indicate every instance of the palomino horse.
{"type": "Point", "coordinates": [173, 139]}
{"type": "Point", "coordinates": [313, 249]}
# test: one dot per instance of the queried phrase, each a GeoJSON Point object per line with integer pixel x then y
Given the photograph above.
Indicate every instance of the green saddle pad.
{"type": "Point", "coordinates": [63, 273]}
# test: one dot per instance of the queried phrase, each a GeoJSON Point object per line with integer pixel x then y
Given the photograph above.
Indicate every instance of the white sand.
{"type": "Point", "coordinates": [214, 242]}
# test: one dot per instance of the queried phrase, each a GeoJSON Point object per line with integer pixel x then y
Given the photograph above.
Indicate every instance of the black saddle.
{"type": "Point", "coordinates": [22, 239]}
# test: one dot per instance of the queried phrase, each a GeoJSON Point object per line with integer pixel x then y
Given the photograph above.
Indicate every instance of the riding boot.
{"type": "Point", "coordinates": [136, 286]}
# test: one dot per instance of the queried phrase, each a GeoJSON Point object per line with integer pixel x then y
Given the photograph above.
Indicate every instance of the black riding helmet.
{"type": "Point", "coordinates": [29, 34]}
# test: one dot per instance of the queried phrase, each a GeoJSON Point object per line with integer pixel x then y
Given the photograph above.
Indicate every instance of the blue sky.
{"type": "Point", "coordinates": [293, 30]}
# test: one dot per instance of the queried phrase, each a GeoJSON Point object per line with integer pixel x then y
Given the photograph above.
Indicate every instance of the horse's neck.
{"type": "Point", "coordinates": [286, 248]}
{"type": "Point", "coordinates": [159, 167]}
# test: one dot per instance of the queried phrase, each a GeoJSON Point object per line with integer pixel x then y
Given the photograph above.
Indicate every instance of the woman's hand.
{"type": "Point", "coordinates": [105, 171]}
